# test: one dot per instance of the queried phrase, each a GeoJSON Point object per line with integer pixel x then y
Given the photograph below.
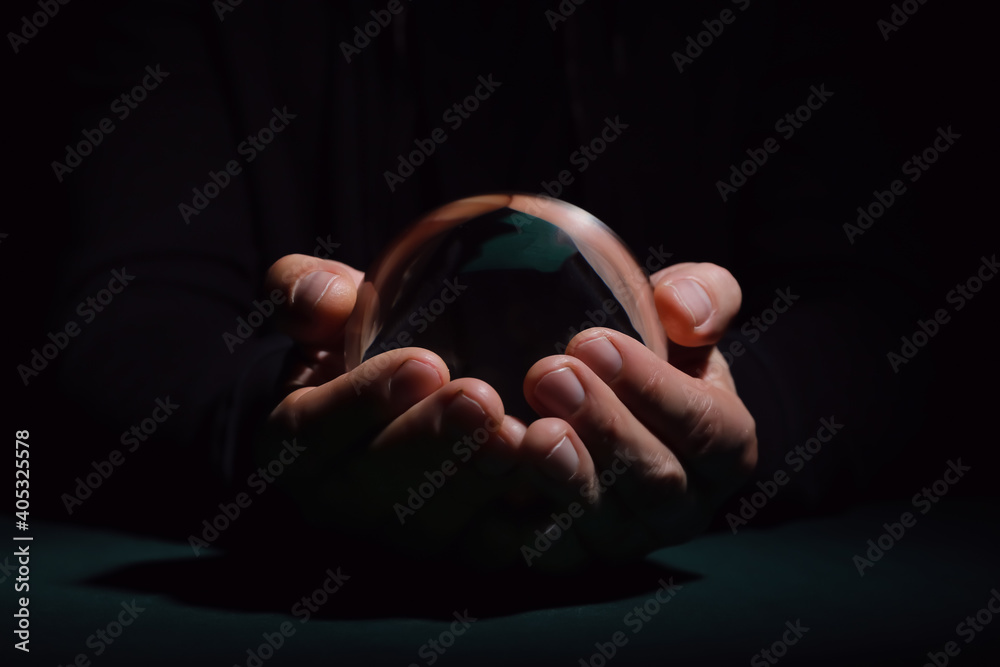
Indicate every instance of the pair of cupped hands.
{"type": "Point", "coordinates": [630, 452]}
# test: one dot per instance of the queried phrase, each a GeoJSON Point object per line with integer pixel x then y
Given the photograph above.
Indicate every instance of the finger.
{"type": "Point", "coordinates": [554, 449]}
{"type": "Point", "coordinates": [466, 417]}
{"type": "Point", "coordinates": [363, 401]}
{"type": "Point", "coordinates": [696, 303]}
{"type": "Point", "coordinates": [343, 414]}
{"type": "Point", "coordinates": [319, 296]}
{"type": "Point", "coordinates": [395, 399]}
{"type": "Point", "coordinates": [439, 466]}
{"type": "Point", "coordinates": [453, 446]}
{"type": "Point", "coordinates": [597, 520]}
{"type": "Point", "coordinates": [706, 426]}
{"type": "Point", "coordinates": [564, 387]}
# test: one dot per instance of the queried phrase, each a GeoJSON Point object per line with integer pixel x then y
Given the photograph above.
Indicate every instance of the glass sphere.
{"type": "Point", "coordinates": [494, 283]}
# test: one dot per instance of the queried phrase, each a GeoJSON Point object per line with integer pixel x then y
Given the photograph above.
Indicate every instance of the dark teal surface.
{"type": "Point", "coordinates": [737, 593]}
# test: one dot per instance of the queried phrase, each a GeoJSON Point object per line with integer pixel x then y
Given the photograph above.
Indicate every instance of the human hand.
{"type": "Point", "coordinates": [394, 424]}
{"type": "Point", "coordinates": [649, 448]}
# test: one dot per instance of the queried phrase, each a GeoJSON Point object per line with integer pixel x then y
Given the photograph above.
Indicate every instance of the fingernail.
{"type": "Point", "coordinates": [602, 356]}
{"type": "Point", "coordinates": [412, 381]}
{"type": "Point", "coordinates": [695, 299]}
{"type": "Point", "coordinates": [463, 414]}
{"type": "Point", "coordinates": [310, 288]}
{"type": "Point", "coordinates": [560, 391]}
{"type": "Point", "coordinates": [562, 462]}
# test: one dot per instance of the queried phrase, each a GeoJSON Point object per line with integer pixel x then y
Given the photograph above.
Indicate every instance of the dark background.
{"type": "Point", "coordinates": [937, 70]}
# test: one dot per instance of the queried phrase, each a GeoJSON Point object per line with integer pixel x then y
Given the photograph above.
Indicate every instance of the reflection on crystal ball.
{"type": "Point", "coordinates": [494, 283]}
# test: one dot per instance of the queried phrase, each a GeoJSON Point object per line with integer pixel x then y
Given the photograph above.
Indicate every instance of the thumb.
{"type": "Point", "coordinates": [320, 296]}
{"type": "Point", "coordinates": [696, 302]}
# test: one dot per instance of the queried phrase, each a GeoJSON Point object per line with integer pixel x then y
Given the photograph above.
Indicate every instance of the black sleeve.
{"type": "Point", "coordinates": [161, 227]}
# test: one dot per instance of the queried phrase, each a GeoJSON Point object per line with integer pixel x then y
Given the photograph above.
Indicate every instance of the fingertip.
{"type": "Point", "coordinates": [483, 395]}
{"type": "Point", "coordinates": [309, 289]}
{"type": "Point", "coordinates": [598, 349]}
{"type": "Point", "coordinates": [554, 447]}
{"type": "Point", "coordinates": [287, 270]}
{"type": "Point", "coordinates": [412, 381]}
{"type": "Point", "coordinates": [562, 462]}
{"type": "Point", "coordinates": [693, 298]}
{"type": "Point", "coordinates": [511, 434]}
{"type": "Point", "coordinates": [323, 297]}
{"type": "Point", "coordinates": [696, 302]}
{"type": "Point", "coordinates": [319, 295]}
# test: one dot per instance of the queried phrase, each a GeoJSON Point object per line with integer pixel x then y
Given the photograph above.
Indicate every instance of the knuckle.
{"type": "Point", "coordinates": [701, 418]}
{"type": "Point", "coordinates": [664, 473]}
{"type": "Point", "coordinates": [608, 428]}
{"type": "Point", "coordinates": [651, 391]}
{"type": "Point", "coordinates": [660, 475]}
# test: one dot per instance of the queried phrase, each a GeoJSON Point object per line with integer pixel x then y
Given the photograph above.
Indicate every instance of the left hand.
{"type": "Point", "coordinates": [648, 448]}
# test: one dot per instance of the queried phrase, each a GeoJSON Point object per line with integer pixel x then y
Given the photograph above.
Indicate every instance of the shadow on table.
{"type": "Point", "coordinates": [374, 587]}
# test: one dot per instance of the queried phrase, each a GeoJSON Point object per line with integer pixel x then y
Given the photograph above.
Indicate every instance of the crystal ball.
{"type": "Point", "coordinates": [494, 283]}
